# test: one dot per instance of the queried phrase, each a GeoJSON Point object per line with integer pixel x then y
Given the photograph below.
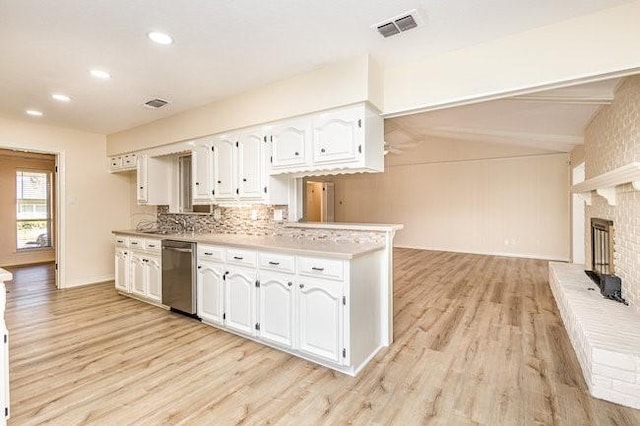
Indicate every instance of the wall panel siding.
{"type": "Point", "coordinates": [510, 206]}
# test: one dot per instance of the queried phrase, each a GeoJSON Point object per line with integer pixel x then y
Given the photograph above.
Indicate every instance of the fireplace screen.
{"type": "Point", "coordinates": [602, 246]}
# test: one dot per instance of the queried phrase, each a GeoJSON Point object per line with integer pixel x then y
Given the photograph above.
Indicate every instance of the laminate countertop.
{"type": "Point", "coordinates": [289, 245]}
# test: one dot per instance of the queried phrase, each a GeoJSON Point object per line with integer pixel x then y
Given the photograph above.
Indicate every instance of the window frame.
{"type": "Point", "coordinates": [49, 207]}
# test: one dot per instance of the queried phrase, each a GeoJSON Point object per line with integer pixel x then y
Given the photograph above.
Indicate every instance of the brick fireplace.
{"type": "Point", "coordinates": [605, 334]}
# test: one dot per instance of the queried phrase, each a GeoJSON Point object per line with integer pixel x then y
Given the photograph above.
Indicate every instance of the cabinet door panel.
{"type": "Point", "coordinates": [240, 300]}
{"type": "Point", "coordinates": [141, 179]}
{"type": "Point", "coordinates": [122, 270]}
{"type": "Point", "coordinates": [154, 279]}
{"type": "Point", "coordinates": [250, 165]}
{"type": "Point", "coordinates": [210, 292]}
{"type": "Point", "coordinates": [320, 318]}
{"type": "Point", "coordinates": [289, 144]}
{"type": "Point", "coordinates": [275, 308]}
{"type": "Point", "coordinates": [137, 275]}
{"type": "Point", "coordinates": [337, 136]}
{"type": "Point", "coordinates": [224, 169]}
{"type": "Point", "coordinates": [202, 172]}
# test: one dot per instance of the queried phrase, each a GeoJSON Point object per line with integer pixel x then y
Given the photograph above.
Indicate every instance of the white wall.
{"type": "Point", "coordinates": [343, 83]}
{"type": "Point", "coordinates": [96, 202]}
{"type": "Point", "coordinates": [515, 205]}
{"type": "Point", "coordinates": [572, 50]}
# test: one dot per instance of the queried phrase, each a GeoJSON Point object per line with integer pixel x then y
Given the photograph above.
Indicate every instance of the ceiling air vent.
{"type": "Point", "coordinates": [395, 25]}
{"type": "Point", "coordinates": [155, 103]}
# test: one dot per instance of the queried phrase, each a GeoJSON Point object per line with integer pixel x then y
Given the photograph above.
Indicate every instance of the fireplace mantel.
{"type": "Point", "coordinates": [605, 184]}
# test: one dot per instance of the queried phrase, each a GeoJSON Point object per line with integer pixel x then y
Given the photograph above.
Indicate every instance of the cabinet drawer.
{"type": "Point", "coordinates": [136, 243]}
{"type": "Point", "coordinates": [121, 241]}
{"type": "Point", "coordinates": [277, 262]}
{"type": "Point", "coordinates": [152, 245]}
{"type": "Point", "coordinates": [319, 267]}
{"type": "Point", "coordinates": [211, 253]}
{"type": "Point", "coordinates": [241, 257]}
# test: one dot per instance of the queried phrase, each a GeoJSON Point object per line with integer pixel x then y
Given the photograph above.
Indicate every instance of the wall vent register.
{"type": "Point", "coordinates": [397, 24]}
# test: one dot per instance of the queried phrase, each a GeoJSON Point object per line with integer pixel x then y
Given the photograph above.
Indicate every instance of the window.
{"type": "Point", "coordinates": [33, 209]}
{"type": "Point", "coordinates": [184, 170]}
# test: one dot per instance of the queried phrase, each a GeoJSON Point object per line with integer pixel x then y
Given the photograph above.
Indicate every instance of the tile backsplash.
{"type": "Point", "coordinates": [258, 220]}
{"type": "Point", "coordinates": [247, 220]}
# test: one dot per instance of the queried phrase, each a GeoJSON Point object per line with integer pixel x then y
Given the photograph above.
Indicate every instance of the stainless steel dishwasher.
{"type": "Point", "coordinates": [179, 276]}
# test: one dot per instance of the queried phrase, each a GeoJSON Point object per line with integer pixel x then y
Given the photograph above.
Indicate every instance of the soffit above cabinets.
{"type": "Point", "coordinates": [220, 48]}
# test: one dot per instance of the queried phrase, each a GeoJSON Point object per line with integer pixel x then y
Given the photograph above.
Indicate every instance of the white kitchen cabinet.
{"type": "Point", "coordinates": [122, 269]}
{"type": "Point", "coordinates": [337, 136]}
{"type": "Point", "coordinates": [276, 308]}
{"type": "Point", "coordinates": [289, 144]}
{"type": "Point", "coordinates": [241, 169]}
{"type": "Point", "coordinates": [240, 296]}
{"type": "Point", "coordinates": [210, 291]}
{"type": "Point", "coordinates": [154, 278]}
{"type": "Point", "coordinates": [348, 139]}
{"type": "Point", "coordinates": [153, 180]}
{"type": "Point", "coordinates": [321, 319]}
{"type": "Point", "coordinates": [145, 269]}
{"type": "Point", "coordinates": [123, 163]}
{"type": "Point", "coordinates": [224, 165]}
{"type": "Point", "coordinates": [138, 275]}
{"type": "Point", "coordinates": [202, 172]}
{"type": "Point", "coordinates": [251, 159]}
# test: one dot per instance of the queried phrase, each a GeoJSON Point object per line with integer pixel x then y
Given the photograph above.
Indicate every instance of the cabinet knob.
{"type": "Point", "coordinates": [301, 286]}
{"type": "Point", "coordinates": [297, 153]}
{"type": "Point", "coordinates": [244, 179]}
{"type": "Point", "coordinates": [197, 183]}
{"type": "Point", "coordinates": [199, 267]}
{"type": "Point", "coordinates": [289, 283]}
{"type": "Point", "coordinates": [219, 181]}
{"type": "Point", "coordinates": [142, 187]}
{"type": "Point", "coordinates": [323, 150]}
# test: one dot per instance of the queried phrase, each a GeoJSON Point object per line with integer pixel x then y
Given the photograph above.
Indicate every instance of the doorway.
{"type": "Point", "coordinates": [319, 204]}
{"type": "Point", "coordinates": [29, 209]}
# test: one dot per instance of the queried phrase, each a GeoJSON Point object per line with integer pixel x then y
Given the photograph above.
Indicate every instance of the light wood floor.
{"type": "Point", "coordinates": [478, 340]}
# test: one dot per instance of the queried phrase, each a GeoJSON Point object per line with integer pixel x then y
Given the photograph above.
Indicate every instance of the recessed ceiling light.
{"type": "Point", "coordinates": [103, 75]}
{"type": "Point", "coordinates": [160, 38]}
{"type": "Point", "coordinates": [34, 112]}
{"type": "Point", "coordinates": [60, 97]}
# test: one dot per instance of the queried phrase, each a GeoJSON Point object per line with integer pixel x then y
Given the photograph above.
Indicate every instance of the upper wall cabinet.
{"type": "Point", "coordinates": [289, 145]}
{"type": "Point", "coordinates": [202, 171]}
{"type": "Point", "coordinates": [240, 169]}
{"type": "Point", "coordinates": [342, 140]}
{"type": "Point", "coordinates": [123, 163]}
{"type": "Point", "coordinates": [153, 180]}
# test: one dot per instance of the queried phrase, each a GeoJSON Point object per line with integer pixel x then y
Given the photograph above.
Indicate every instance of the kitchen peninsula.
{"type": "Point", "coordinates": [318, 291]}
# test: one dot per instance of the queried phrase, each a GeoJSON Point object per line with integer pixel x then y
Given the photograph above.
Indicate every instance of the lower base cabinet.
{"type": "Point", "coordinates": [139, 270]}
{"type": "Point", "coordinates": [123, 268]}
{"type": "Point", "coordinates": [210, 292]}
{"type": "Point", "coordinates": [320, 319]}
{"type": "Point", "coordinates": [276, 308]}
{"type": "Point", "coordinates": [146, 276]}
{"type": "Point", "coordinates": [305, 310]}
{"type": "Point", "coordinates": [239, 298]}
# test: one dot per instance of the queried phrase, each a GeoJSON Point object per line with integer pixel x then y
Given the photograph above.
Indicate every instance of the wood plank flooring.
{"type": "Point", "coordinates": [478, 340]}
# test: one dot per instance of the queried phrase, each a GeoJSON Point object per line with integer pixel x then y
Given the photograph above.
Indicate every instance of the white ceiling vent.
{"type": "Point", "coordinates": [397, 24]}
{"type": "Point", "coordinates": [156, 103]}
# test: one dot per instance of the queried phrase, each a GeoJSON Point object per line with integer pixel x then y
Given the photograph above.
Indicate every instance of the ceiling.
{"type": "Point", "coordinates": [552, 120]}
{"type": "Point", "coordinates": [221, 47]}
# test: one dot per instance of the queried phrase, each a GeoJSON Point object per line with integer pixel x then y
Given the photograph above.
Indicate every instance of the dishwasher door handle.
{"type": "Point", "coordinates": [181, 250]}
